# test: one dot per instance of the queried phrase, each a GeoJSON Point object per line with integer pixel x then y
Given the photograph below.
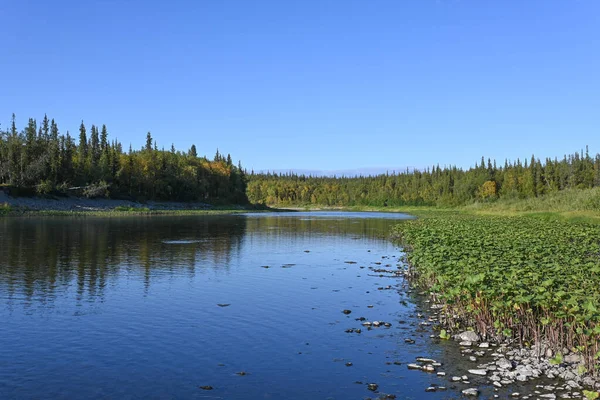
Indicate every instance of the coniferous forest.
{"type": "Point", "coordinates": [435, 186]}
{"type": "Point", "coordinates": [40, 160]}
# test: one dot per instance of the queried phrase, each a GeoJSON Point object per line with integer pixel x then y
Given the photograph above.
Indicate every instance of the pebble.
{"type": "Point", "coordinates": [481, 372]}
{"type": "Point", "coordinates": [372, 386]}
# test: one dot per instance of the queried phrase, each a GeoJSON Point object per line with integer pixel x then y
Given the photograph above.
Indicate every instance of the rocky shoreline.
{"type": "Point", "coordinates": [82, 204]}
{"type": "Point", "coordinates": [505, 365]}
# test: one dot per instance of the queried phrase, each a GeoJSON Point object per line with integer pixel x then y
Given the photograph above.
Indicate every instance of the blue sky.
{"type": "Point", "coordinates": [313, 85]}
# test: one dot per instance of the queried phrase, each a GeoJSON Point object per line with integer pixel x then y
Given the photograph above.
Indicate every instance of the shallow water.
{"type": "Point", "coordinates": [155, 307]}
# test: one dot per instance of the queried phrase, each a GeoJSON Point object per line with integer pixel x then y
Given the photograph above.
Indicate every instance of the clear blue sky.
{"type": "Point", "coordinates": [318, 85]}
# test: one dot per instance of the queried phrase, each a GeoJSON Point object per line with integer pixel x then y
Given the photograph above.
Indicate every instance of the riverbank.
{"type": "Point", "coordinates": [74, 206]}
{"type": "Point", "coordinates": [528, 284]}
{"type": "Point", "coordinates": [572, 205]}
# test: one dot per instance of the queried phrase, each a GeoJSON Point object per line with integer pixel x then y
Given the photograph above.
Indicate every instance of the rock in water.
{"type": "Point", "coordinates": [470, 392]}
{"type": "Point", "coordinates": [481, 372]}
{"type": "Point", "coordinates": [468, 336]}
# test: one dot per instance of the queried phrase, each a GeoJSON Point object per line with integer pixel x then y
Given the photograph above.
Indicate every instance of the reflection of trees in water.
{"type": "Point", "coordinates": [39, 256]}
{"type": "Point", "coordinates": [372, 229]}
{"type": "Point", "coordinates": [42, 256]}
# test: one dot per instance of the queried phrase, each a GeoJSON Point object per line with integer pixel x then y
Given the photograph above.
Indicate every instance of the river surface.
{"type": "Point", "coordinates": [251, 305]}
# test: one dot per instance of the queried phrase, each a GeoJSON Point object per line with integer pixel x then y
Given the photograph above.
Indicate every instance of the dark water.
{"type": "Point", "coordinates": [155, 307]}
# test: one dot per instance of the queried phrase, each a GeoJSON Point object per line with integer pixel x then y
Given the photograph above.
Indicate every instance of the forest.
{"type": "Point", "coordinates": [434, 186]}
{"type": "Point", "coordinates": [40, 160]}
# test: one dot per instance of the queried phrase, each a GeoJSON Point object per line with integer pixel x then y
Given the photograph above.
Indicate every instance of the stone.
{"type": "Point", "coordinates": [573, 384]}
{"type": "Point", "coordinates": [414, 366]}
{"type": "Point", "coordinates": [372, 386]}
{"type": "Point", "coordinates": [470, 392]}
{"type": "Point", "coordinates": [468, 336]}
{"type": "Point", "coordinates": [484, 345]}
{"type": "Point", "coordinates": [503, 363]}
{"type": "Point", "coordinates": [481, 372]}
{"type": "Point", "coordinates": [573, 358]}
{"type": "Point", "coordinates": [347, 312]}
{"type": "Point", "coordinates": [429, 368]}
{"type": "Point", "coordinates": [425, 360]}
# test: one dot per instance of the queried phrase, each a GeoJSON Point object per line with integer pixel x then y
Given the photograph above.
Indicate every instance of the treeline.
{"type": "Point", "coordinates": [448, 186]}
{"type": "Point", "coordinates": [38, 159]}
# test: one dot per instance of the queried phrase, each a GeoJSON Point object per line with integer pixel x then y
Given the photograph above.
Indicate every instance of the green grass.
{"type": "Point", "coordinates": [525, 277]}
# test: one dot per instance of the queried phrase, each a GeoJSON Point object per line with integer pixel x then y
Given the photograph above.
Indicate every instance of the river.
{"type": "Point", "coordinates": [225, 307]}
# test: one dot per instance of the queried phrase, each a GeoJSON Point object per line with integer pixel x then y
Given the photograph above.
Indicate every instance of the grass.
{"type": "Point", "coordinates": [572, 205]}
{"type": "Point", "coordinates": [121, 211]}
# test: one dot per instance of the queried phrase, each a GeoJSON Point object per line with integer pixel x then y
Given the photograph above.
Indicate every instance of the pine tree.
{"type": "Point", "coordinates": [94, 149]}
{"type": "Point", "coordinates": [148, 142]}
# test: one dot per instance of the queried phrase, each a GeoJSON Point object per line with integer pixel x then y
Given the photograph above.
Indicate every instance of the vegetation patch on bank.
{"type": "Point", "coordinates": [527, 279]}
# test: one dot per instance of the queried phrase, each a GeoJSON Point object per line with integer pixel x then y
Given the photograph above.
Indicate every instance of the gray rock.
{"type": "Point", "coordinates": [429, 368]}
{"type": "Point", "coordinates": [503, 363]}
{"type": "Point", "coordinates": [588, 381]}
{"type": "Point", "coordinates": [573, 384]}
{"type": "Point", "coordinates": [573, 358]}
{"type": "Point", "coordinates": [469, 336]}
{"type": "Point", "coordinates": [481, 372]}
{"type": "Point", "coordinates": [470, 392]}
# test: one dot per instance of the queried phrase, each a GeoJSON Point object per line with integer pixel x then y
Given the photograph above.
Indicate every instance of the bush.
{"type": "Point", "coordinates": [44, 188]}
{"type": "Point", "coordinates": [99, 189]}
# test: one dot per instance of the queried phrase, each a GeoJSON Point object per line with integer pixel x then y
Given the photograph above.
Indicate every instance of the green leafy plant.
{"type": "Point", "coordinates": [444, 335]}
{"type": "Point", "coordinates": [512, 276]}
{"type": "Point", "coordinates": [591, 395]}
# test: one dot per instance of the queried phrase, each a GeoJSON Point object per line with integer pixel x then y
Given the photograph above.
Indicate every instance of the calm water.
{"type": "Point", "coordinates": [155, 307]}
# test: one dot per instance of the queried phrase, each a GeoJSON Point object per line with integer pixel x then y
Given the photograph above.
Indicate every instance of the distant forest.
{"type": "Point", "coordinates": [40, 160]}
{"type": "Point", "coordinates": [447, 186]}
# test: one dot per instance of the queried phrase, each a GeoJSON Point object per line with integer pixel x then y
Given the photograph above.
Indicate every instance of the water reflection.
{"type": "Point", "coordinates": [40, 257]}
